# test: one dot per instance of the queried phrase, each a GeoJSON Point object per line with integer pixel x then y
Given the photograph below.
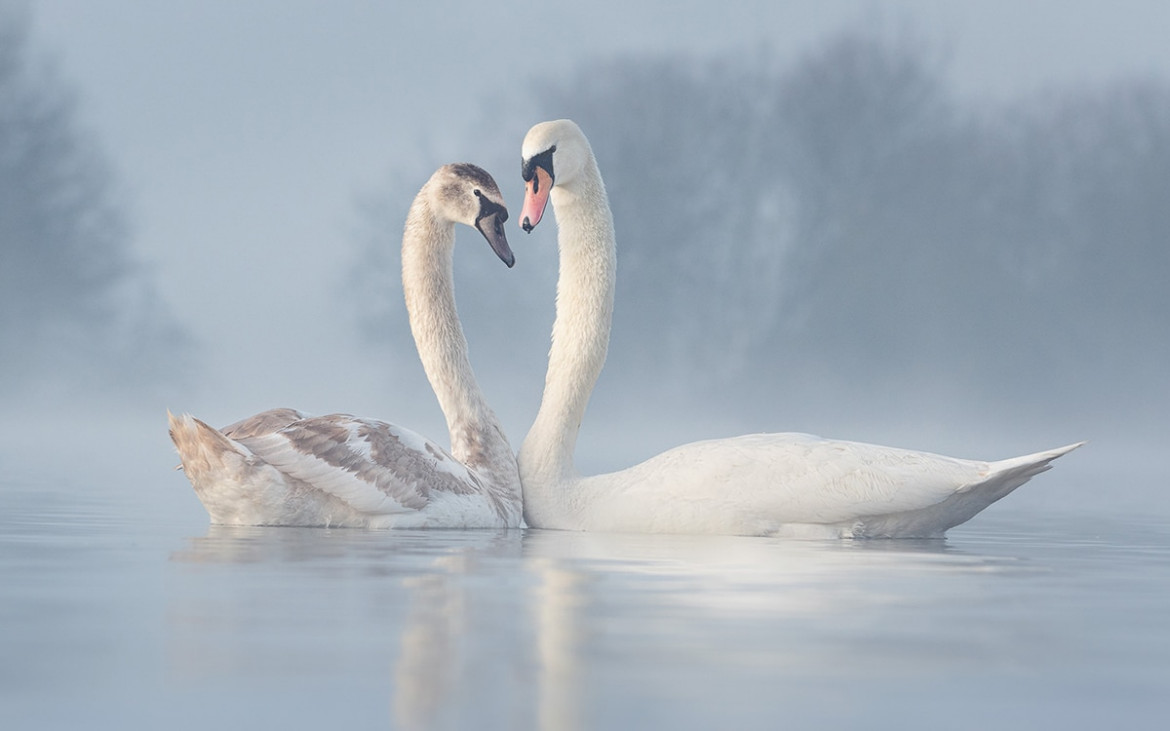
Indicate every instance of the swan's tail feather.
{"type": "Point", "coordinates": [999, 479]}
{"type": "Point", "coordinates": [1031, 464]}
{"type": "Point", "coordinates": [1006, 475]}
{"type": "Point", "coordinates": [204, 451]}
{"type": "Point", "coordinates": [234, 485]}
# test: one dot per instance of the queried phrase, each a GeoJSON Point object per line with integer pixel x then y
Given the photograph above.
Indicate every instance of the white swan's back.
{"type": "Point", "coordinates": [791, 484]}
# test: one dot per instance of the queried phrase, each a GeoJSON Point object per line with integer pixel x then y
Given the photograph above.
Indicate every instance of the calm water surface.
{"type": "Point", "coordinates": [122, 609]}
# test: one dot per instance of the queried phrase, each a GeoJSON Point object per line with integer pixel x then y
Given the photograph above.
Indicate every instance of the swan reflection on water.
{"type": "Point", "coordinates": [530, 625]}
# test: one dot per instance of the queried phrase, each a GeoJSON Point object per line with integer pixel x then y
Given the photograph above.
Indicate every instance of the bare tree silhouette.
{"type": "Point", "coordinates": [847, 220]}
{"type": "Point", "coordinates": [75, 306]}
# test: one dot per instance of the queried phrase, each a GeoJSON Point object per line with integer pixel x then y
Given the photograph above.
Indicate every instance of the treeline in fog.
{"type": "Point", "coordinates": [845, 226]}
{"type": "Point", "coordinates": [75, 307]}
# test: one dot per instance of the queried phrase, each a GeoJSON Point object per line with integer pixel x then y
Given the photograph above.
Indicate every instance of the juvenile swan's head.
{"type": "Point", "coordinates": [467, 194]}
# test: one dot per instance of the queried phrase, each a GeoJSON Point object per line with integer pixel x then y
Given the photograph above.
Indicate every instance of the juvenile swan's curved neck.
{"type": "Point", "coordinates": [580, 334]}
{"type": "Point", "coordinates": [428, 281]}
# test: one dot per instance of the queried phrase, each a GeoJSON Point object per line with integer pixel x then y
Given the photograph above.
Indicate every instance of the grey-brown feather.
{"type": "Point", "coordinates": [266, 422]}
{"type": "Point", "coordinates": [384, 461]}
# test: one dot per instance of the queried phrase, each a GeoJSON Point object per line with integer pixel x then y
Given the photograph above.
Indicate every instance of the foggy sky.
{"type": "Point", "coordinates": [241, 132]}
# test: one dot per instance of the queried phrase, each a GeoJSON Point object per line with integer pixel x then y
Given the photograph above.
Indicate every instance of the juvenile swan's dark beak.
{"type": "Point", "coordinates": [491, 225]}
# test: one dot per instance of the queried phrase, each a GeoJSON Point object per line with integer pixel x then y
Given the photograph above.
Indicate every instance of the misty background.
{"type": "Point", "coordinates": [927, 226]}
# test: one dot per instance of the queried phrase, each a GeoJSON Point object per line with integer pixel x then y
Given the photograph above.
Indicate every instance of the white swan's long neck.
{"type": "Point", "coordinates": [477, 439]}
{"type": "Point", "coordinates": [580, 338]}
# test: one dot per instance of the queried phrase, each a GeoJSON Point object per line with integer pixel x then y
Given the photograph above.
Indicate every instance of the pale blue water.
{"type": "Point", "coordinates": [122, 609]}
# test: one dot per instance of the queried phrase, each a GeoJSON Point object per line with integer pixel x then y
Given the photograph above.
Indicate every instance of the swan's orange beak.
{"type": "Point", "coordinates": [536, 193]}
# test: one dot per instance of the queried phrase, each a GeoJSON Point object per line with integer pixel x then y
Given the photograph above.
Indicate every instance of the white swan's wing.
{"type": "Point", "coordinates": [765, 484]}
{"type": "Point", "coordinates": [375, 467]}
{"type": "Point", "coordinates": [855, 479]}
{"type": "Point", "coordinates": [839, 480]}
{"type": "Point", "coordinates": [903, 493]}
{"type": "Point", "coordinates": [793, 478]}
{"type": "Point", "coordinates": [799, 478]}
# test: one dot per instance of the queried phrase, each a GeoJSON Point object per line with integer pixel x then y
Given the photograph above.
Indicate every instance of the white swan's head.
{"type": "Point", "coordinates": [467, 194]}
{"type": "Point", "coordinates": [553, 154]}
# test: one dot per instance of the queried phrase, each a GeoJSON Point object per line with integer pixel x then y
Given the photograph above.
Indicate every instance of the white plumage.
{"type": "Point", "coordinates": [762, 484]}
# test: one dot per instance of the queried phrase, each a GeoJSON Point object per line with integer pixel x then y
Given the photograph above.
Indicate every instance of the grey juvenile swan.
{"type": "Point", "coordinates": [282, 467]}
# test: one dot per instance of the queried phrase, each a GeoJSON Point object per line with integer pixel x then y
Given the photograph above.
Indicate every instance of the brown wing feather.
{"type": "Point", "coordinates": [266, 422]}
{"type": "Point", "coordinates": [399, 464]}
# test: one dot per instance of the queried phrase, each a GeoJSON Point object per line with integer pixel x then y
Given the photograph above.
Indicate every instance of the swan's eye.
{"type": "Point", "coordinates": [477, 193]}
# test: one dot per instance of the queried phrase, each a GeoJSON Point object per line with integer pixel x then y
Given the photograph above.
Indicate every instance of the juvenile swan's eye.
{"type": "Point", "coordinates": [477, 193]}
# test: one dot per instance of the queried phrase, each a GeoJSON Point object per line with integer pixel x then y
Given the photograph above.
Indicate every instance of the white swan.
{"type": "Point", "coordinates": [282, 467]}
{"type": "Point", "coordinates": [761, 484]}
